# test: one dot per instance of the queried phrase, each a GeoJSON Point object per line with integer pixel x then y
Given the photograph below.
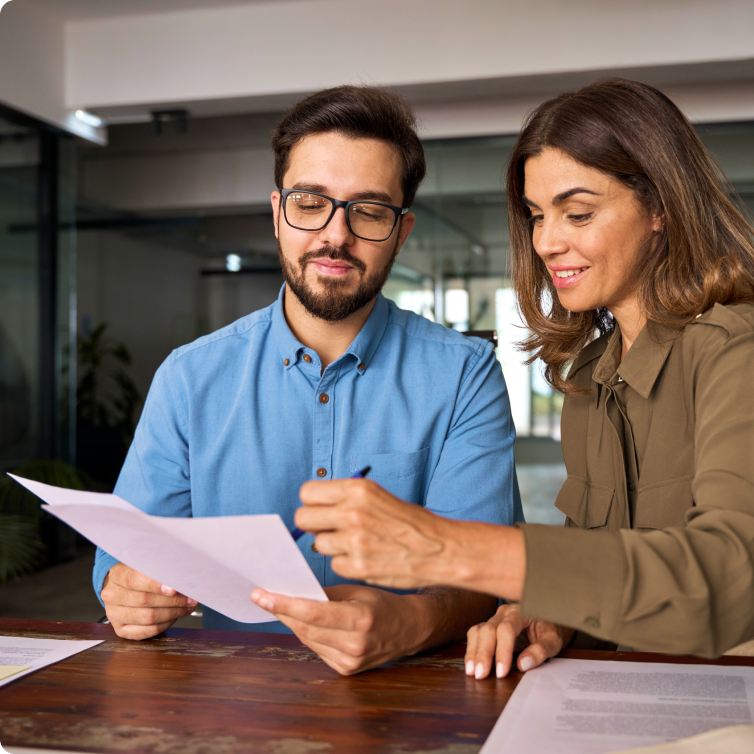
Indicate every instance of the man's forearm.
{"type": "Point", "coordinates": [444, 615]}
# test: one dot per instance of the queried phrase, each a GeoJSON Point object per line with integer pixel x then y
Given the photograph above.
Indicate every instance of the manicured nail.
{"type": "Point", "coordinates": [167, 590]}
{"type": "Point", "coordinates": [479, 673]}
{"type": "Point", "coordinates": [499, 670]}
{"type": "Point", "coordinates": [470, 667]}
{"type": "Point", "coordinates": [526, 663]}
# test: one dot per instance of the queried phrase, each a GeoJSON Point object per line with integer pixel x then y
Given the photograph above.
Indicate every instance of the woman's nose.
{"type": "Point", "coordinates": [549, 238]}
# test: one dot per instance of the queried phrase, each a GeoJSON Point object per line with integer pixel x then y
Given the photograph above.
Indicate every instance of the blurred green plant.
{"type": "Point", "coordinates": [106, 394]}
{"type": "Point", "coordinates": [21, 545]}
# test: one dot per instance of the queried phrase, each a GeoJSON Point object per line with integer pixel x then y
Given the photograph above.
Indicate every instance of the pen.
{"type": "Point", "coordinates": [296, 533]}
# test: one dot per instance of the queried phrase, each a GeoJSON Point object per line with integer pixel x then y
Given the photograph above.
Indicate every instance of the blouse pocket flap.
{"type": "Point", "coordinates": [391, 465]}
{"type": "Point", "coordinates": [587, 504]}
{"type": "Point", "coordinates": [663, 505]}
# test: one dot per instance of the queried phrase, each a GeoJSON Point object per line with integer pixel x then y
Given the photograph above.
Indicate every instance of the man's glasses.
{"type": "Point", "coordinates": [370, 221]}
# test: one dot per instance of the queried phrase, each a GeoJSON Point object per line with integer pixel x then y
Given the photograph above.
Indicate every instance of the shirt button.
{"type": "Point", "coordinates": [321, 472]}
{"type": "Point", "coordinates": [323, 398]}
{"type": "Point", "coordinates": [314, 547]}
{"type": "Point", "coordinates": [307, 358]}
{"type": "Point", "coordinates": [631, 486]}
{"type": "Point", "coordinates": [362, 367]}
{"type": "Point", "coordinates": [286, 362]}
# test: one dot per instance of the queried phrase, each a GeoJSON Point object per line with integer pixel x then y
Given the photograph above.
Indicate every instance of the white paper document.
{"type": "Point", "coordinates": [593, 707]}
{"type": "Point", "coordinates": [217, 561]}
{"type": "Point", "coordinates": [25, 656]}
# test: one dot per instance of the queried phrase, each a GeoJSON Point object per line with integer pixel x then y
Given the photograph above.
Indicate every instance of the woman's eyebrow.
{"type": "Point", "coordinates": [568, 194]}
{"type": "Point", "coordinates": [559, 198]}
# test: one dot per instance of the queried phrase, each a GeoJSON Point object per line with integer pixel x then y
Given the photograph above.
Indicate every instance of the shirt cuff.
{"type": "Point", "coordinates": [103, 562]}
{"type": "Point", "coordinates": [573, 577]}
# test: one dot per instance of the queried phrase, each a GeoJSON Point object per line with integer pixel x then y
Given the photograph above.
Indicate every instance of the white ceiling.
{"type": "Point", "coordinates": [79, 10]}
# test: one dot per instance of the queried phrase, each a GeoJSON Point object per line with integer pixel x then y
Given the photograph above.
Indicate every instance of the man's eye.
{"type": "Point", "coordinates": [368, 213]}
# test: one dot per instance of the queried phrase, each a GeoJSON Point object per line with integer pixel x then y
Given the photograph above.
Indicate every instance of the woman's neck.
{"type": "Point", "coordinates": [631, 322]}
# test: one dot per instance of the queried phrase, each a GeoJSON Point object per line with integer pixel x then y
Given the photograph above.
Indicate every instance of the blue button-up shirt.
{"type": "Point", "coordinates": [237, 421]}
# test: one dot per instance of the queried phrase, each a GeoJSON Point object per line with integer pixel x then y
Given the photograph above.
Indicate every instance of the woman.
{"type": "Point", "coordinates": [620, 226]}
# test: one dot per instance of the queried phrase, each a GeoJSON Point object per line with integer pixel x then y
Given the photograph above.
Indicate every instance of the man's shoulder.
{"type": "Point", "coordinates": [414, 327]}
{"type": "Point", "coordinates": [232, 337]}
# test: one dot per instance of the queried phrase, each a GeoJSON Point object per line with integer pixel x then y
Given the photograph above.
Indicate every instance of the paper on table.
{"type": "Point", "coordinates": [6, 671]}
{"type": "Point", "coordinates": [217, 561]}
{"type": "Point", "coordinates": [592, 707]}
{"type": "Point", "coordinates": [35, 654]}
{"type": "Point", "coordinates": [738, 739]}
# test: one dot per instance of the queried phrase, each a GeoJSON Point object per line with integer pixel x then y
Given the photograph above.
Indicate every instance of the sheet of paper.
{"type": "Point", "coordinates": [33, 654]}
{"type": "Point", "coordinates": [738, 739]}
{"type": "Point", "coordinates": [217, 561]}
{"type": "Point", "coordinates": [592, 707]}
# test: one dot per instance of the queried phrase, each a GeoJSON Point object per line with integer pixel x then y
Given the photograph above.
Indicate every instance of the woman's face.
{"type": "Point", "coordinates": [589, 229]}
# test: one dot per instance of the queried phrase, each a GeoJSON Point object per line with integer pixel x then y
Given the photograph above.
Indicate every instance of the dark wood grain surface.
{"type": "Point", "coordinates": [218, 692]}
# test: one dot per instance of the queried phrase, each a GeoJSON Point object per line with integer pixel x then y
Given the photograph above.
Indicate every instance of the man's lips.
{"type": "Point", "coordinates": [331, 267]}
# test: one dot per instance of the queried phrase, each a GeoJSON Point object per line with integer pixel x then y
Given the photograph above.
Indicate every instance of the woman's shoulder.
{"type": "Point", "coordinates": [733, 319]}
{"type": "Point", "coordinates": [715, 328]}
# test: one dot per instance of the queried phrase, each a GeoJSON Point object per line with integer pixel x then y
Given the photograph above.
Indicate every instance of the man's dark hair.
{"type": "Point", "coordinates": [358, 112]}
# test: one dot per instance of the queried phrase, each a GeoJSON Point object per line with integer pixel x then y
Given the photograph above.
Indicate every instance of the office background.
{"type": "Point", "coordinates": [135, 174]}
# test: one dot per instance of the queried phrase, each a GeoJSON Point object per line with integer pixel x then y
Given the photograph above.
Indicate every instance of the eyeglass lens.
{"type": "Point", "coordinates": [372, 222]}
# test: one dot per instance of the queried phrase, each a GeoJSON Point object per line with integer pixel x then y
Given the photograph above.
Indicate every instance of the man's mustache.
{"type": "Point", "coordinates": [334, 253]}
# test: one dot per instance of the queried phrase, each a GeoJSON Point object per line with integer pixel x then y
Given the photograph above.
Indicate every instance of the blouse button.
{"type": "Point", "coordinates": [321, 472]}
{"type": "Point", "coordinates": [323, 398]}
{"type": "Point", "coordinates": [286, 362]}
{"type": "Point", "coordinates": [307, 358]}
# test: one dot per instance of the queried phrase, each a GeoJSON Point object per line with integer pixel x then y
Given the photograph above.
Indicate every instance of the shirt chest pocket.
{"type": "Point", "coordinates": [402, 474]}
{"type": "Point", "coordinates": [585, 503]}
{"type": "Point", "coordinates": [665, 504]}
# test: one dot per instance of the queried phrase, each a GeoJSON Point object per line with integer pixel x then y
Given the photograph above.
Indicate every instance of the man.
{"type": "Point", "coordinates": [328, 380]}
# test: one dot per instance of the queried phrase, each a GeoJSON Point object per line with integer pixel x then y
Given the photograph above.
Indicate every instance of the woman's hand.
{"type": "Point", "coordinates": [373, 536]}
{"type": "Point", "coordinates": [506, 632]}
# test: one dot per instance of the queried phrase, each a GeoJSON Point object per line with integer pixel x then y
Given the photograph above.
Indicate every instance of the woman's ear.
{"type": "Point", "coordinates": [658, 223]}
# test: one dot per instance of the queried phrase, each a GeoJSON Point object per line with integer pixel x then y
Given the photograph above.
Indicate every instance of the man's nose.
{"type": "Point", "coordinates": [336, 232]}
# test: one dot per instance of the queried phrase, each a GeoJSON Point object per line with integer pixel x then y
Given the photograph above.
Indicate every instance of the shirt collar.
{"type": "Point", "coordinates": [361, 350]}
{"type": "Point", "coordinates": [643, 363]}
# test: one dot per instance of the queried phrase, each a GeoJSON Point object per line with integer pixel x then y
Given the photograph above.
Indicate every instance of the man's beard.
{"type": "Point", "coordinates": [334, 304]}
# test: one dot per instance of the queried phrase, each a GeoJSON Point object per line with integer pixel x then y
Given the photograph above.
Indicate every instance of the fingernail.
{"type": "Point", "coordinates": [266, 604]}
{"type": "Point", "coordinates": [470, 667]}
{"type": "Point", "coordinates": [167, 590]}
{"type": "Point", "coordinates": [191, 603]}
{"type": "Point", "coordinates": [499, 670]}
{"type": "Point", "coordinates": [479, 673]}
{"type": "Point", "coordinates": [526, 663]}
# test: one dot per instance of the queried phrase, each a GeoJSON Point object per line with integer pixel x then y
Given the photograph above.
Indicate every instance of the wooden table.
{"type": "Point", "coordinates": [223, 692]}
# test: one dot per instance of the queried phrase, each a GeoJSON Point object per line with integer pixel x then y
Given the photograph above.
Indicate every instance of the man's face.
{"type": "Point", "coordinates": [331, 272]}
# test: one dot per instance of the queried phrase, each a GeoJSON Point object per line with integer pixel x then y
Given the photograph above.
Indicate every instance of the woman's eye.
{"type": "Point", "coordinates": [536, 219]}
{"type": "Point", "coordinates": [580, 218]}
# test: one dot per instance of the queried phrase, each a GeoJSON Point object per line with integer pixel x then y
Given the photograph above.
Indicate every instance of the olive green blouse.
{"type": "Point", "coordinates": [658, 550]}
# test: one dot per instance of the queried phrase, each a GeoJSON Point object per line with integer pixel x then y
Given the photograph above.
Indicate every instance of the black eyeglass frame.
{"type": "Point", "coordinates": [336, 205]}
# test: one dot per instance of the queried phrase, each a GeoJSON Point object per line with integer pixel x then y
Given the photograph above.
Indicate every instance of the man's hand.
{"type": "Point", "coordinates": [360, 628]}
{"type": "Point", "coordinates": [508, 632]}
{"type": "Point", "coordinates": [139, 607]}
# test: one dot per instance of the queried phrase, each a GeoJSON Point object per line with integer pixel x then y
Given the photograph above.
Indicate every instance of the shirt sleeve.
{"type": "Point", "coordinates": [685, 589]}
{"type": "Point", "coordinates": [475, 477]}
{"type": "Point", "coordinates": [156, 474]}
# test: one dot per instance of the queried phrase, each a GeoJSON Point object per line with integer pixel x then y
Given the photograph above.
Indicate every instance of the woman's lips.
{"type": "Point", "coordinates": [569, 281]}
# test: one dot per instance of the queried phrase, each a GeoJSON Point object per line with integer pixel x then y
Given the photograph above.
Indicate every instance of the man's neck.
{"type": "Point", "coordinates": [329, 340]}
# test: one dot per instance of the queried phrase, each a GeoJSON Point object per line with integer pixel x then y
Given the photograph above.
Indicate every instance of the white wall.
{"type": "Point", "coordinates": [229, 57]}
{"type": "Point", "coordinates": [32, 67]}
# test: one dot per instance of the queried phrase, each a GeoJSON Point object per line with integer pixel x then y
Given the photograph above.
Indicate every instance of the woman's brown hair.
{"type": "Point", "coordinates": [704, 253]}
